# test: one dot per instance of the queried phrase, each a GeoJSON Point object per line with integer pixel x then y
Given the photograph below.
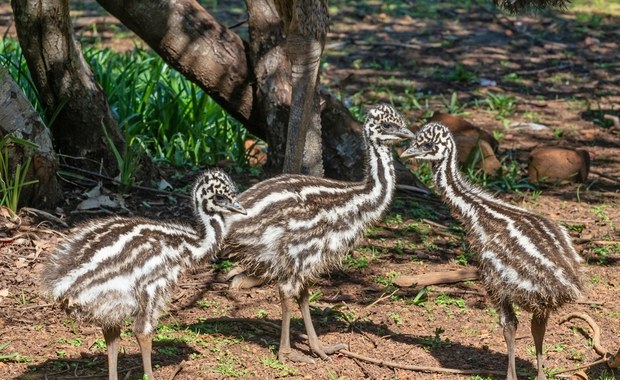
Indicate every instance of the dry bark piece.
{"type": "Point", "coordinates": [554, 165]}
{"type": "Point", "coordinates": [436, 278]}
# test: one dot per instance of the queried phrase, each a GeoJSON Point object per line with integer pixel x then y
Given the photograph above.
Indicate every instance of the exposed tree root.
{"type": "Point", "coordinates": [353, 355]}
{"type": "Point", "coordinates": [606, 356]}
{"type": "Point", "coordinates": [417, 368]}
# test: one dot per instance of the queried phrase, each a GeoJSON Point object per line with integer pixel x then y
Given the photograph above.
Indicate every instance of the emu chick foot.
{"type": "Point", "coordinates": [323, 350]}
{"type": "Point", "coordinates": [294, 356]}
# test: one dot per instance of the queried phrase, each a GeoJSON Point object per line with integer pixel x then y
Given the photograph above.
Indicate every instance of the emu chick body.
{"type": "Point", "coordinates": [299, 227]}
{"type": "Point", "coordinates": [118, 268]}
{"type": "Point", "coordinates": [524, 258]}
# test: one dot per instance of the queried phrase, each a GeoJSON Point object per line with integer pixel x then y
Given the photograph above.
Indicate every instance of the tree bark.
{"type": "Point", "coordinates": [306, 24]}
{"type": "Point", "coordinates": [267, 56]}
{"type": "Point", "coordinates": [18, 118]}
{"type": "Point", "coordinates": [65, 82]}
{"type": "Point", "coordinates": [189, 39]}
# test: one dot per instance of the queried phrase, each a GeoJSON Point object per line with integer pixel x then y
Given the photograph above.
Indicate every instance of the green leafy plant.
{"type": "Point", "coordinates": [127, 161]}
{"type": "Point", "coordinates": [503, 105]}
{"type": "Point", "coordinates": [453, 106]}
{"type": "Point", "coordinates": [13, 181]}
{"type": "Point", "coordinates": [282, 370]}
{"type": "Point", "coordinates": [461, 74]}
{"type": "Point", "coordinates": [444, 299]}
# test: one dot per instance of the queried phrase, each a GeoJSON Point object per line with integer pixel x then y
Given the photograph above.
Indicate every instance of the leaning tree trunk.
{"type": "Point", "coordinates": [65, 83]}
{"type": "Point", "coordinates": [189, 39]}
{"type": "Point", "coordinates": [18, 118]}
{"type": "Point", "coordinates": [306, 23]}
{"type": "Point", "coordinates": [272, 94]}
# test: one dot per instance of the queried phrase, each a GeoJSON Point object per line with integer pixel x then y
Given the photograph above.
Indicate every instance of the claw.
{"type": "Point", "coordinates": [295, 357]}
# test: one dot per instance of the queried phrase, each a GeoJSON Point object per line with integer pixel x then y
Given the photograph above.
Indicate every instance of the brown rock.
{"type": "Point", "coordinates": [474, 145]}
{"type": "Point", "coordinates": [474, 151]}
{"type": "Point", "coordinates": [554, 165]}
{"type": "Point", "coordinates": [459, 126]}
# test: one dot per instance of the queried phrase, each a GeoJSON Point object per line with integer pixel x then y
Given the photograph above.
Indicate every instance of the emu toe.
{"type": "Point", "coordinates": [329, 350]}
{"type": "Point", "coordinates": [243, 281]}
{"type": "Point", "coordinates": [295, 357]}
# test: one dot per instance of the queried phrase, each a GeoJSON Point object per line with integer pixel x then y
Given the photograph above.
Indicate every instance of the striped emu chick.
{"type": "Point", "coordinates": [118, 268]}
{"type": "Point", "coordinates": [299, 227]}
{"type": "Point", "coordinates": [524, 259]}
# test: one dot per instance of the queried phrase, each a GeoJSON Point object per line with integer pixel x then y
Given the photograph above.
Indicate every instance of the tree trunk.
{"type": "Point", "coordinates": [65, 83]}
{"type": "Point", "coordinates": [18, 118]}
{"type": "Point", "coordinates": [189, 39]}
{"type": "Point", "coordinates": [306, 29]}
{"type": "Point", "coordinates": [272, 72]}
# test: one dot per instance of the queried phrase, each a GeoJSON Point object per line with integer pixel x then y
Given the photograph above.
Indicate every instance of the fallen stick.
{"type": "Point", "coordinates": [596, 331]}
{"type": "Point", "coordinates": [385, 363]}
{"type": "Point", "coordinates": [613, 361]}
{"type": "Point", "coordinates": [436, 278]}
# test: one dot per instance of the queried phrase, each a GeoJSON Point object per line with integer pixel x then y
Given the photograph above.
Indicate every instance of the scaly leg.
{"type": "Point", "coordinates": [145, 341]}
{"type": "Point", "coordinates": [508, 321]}
{"type": "Point", "coordinates": [112, 336]}
{"type": "Point", "coordinates": [539, 325]}
{"type": "Point", "coordinates": [285, 352]}
{"type": "Point", "coordinates": [313, 340]}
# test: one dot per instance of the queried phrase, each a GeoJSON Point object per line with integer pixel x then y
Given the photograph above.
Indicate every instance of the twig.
{"type": "Point", "coordinates": [177, 370]}
{"type": "Point", "coordinates": [545, 69]}
{"type": "Point", "coordinates": [603, 360]}
{"type": "Point", "coordinates": [110, 179]}
{"type": "Point", "coordinates": [596, 331]}
{"type": "Point", "coordinates": [45, 215]}
{"type": "Point", "coordinates": [384, 363]}
{"type": "Point", "coordinates": [36, 306]}
{"type": "Point", "coordinates": [430, 222]}
{"type": "Point", "coordinates": [367, 375]}
{"type": "Point", "coordinates": [381, 298]}
{"type": "Point", "coordinates": [414, 189]}
{"type": "Point", "coordinates": [616, 180]}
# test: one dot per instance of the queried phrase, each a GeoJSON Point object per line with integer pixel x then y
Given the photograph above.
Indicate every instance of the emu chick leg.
{"type": "Point", "coordinates": [313, 340]}
{"type": "Point", "coordinates": [285, 352]}
{"type": "Point", "coordinates": [112, 336]}
{"type": "Point", "coordinates": [145, 341]}
{"type": "Point", "coordinates": [508, 321]}
{"type": "Point", "coordinates": [539, 325]}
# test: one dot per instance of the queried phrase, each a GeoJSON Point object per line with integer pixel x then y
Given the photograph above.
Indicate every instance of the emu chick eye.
{"type": "Point", "coordinates": [219, 198]}
{"type": "Point", "coordinates": [386, 125]}
{"type": "Point", "coordinates": [427, 146]}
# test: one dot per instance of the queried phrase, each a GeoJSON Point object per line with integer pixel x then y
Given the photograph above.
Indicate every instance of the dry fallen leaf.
{"type": "Point", "coordinates": [98, 202]}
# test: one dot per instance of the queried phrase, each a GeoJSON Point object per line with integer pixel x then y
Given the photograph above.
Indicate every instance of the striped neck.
{"type": "Point", "coordinates": [455, 189]}
{"type": "Point", "coordinates": [380, 178]}
{"type": "Point", "coordinates": [209, 233]}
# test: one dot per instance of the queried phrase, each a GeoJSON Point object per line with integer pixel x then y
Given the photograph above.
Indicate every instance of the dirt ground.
{"type": "Point", "coordinates": [562, 70]}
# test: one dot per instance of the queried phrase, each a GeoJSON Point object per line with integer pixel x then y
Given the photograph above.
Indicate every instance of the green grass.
{"type": "Point", "coordinates": [160, 112]}
{"type": "Point", "coordinates": [444, 299]}
{"type": "Point", "coordinates": [12, 357]}
{"type": "Point", "coordinates": [13, 176]}
{"type": "Point", "coordinates": [280, 370]}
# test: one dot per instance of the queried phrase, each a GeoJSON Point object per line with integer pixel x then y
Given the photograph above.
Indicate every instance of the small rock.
{"type": "Point", "coordinates": [487, 82]}
{"type": "Point", "coordinates": [556, 165]}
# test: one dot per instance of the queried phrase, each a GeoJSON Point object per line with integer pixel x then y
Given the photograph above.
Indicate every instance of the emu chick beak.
{"type": "Point", "coordinates": [404, 133]}
{"type": "Point", "coordinates": [412, 151]}
{"type": "Point", "coordinates": [235, 206]}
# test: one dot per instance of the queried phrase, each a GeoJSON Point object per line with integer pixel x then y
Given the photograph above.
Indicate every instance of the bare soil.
{"type": "Point", "coordinates": [561, 68]}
